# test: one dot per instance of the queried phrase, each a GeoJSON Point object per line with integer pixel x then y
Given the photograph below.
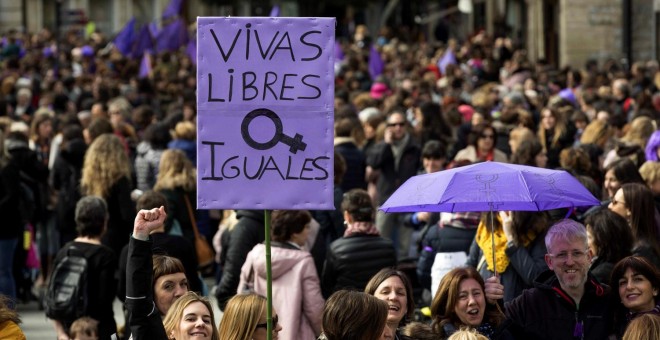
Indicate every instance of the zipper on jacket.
{"type": "Point", "coordinates": [578, 331]}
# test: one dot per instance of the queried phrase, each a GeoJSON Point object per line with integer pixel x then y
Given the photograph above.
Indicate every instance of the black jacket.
{"type": "Point", "coordinates": [12, 226]}
{"type": "Point", "coordinates": [143, 319]}
{"type": "Point", "coordinates": [547, 312]}
{"type": "Point", "coordinates": [248, 232]}
{"type": "Point", "coordinates": [601, 269]}
{"type": "Point", "coordinates": [525, 265]}
{"type": "Point", "coordinates": [382, 158]}
{"type": "Point", "coordinates": [101, 283]}
{"type": "Point", "coordinates": [447, 239]}
{"type": "Point", "coordinates": [65, 179]}
{"type": "Point", "coordinates": [353, 260]}
{"type": "Point", "coordinates": [356, 166]}
{"type": "Point", "coordinates": [170, 245]}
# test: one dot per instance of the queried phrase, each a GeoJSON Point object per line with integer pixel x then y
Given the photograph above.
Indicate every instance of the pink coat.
{"type": "Point", "coordinates": [297, 296]}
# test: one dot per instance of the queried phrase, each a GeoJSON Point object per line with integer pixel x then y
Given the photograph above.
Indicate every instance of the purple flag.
{"type": "Point", "coordinates": [145, 65]}
{"type": "Point", "coordinates": [376, 64]}
{"type": "Point", "coordinates": [173, 9]}
{"type": "Point", "coordinates": [265, 113]}
{"type": "Point", "coordinates": [143, 43]}
{"type": "Point", "coordinates": [191, 51]}
{"type": "Point", "coordinates": [172, 36]}
{"type": "Point", "coordinates": [275, 11]}
{"type": "Point", "coordinates": [125, 38]}
{"type": "Point", "coordinates": [447, 59]}
{"type": "Point", "coordinates": [153, 29]}
{"type": "Point", "coordinates": [339, 52]}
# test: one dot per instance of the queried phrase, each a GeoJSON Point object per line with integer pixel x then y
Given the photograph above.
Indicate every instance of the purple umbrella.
{"type": "Point", "coordinates": [490, 186]}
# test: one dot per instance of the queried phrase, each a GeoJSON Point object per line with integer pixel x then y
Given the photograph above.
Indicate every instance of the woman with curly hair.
{"type": "Point", "coordinates": [9, 320]}
{"type": "Point", "coordinates": [177, 180]}
{"type": "Point", "coordinates": [107, 174]}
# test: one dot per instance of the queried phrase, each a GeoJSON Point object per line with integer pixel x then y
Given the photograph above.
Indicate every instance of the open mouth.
{"type": "Point", "coordinates": [394, 308]}
{"type": "Point", "coordinates": [198, 334]}
{"type": "Point", "coordinates": [474, 311]}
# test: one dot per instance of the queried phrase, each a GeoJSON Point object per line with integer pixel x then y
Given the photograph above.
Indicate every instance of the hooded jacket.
{"type": "Point", "coordinates": [548, 312]}
{"type": "Point", "coordinates": [296, 288]}
{"type": "Point", "coordinates": [147, 162]}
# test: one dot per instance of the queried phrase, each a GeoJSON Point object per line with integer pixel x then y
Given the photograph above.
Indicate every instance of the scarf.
{"type": "Point", "coordinates": [397, 149]}
{"type": "Point", "coordinates": [630, 316]}
{"type": "Point", "coordinates": [368, 228]}
{"type": "Point", "coordinates": [483, 239]}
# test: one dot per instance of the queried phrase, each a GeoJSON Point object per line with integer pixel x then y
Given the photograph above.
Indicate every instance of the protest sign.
{"type": "Point", "coordinates": [265, 89]}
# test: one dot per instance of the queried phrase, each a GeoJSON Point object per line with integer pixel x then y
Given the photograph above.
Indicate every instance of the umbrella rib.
{"type": "Point", "coordinates": [527, 189]}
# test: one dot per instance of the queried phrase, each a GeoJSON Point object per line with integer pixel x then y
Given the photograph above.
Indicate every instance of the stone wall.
{"type": "Point", "coordinates": [590, 29]}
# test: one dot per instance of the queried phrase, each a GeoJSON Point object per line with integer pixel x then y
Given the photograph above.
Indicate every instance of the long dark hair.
{"type": "Point", "coordinates": [639, 199]}
{"type": "Point", "coordinates": [611, 234]}
{"type": "Point", "coordinates": [639, 265]}
{"type": "Point", "coordinates": [523, 221]}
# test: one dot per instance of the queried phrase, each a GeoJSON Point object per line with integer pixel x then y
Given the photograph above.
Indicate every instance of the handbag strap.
{"type": "Point", "coordinates": [191, 215]}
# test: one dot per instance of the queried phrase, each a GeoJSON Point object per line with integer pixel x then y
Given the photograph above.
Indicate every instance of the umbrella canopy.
{"type": "Point", "coordinates": [490, 186]}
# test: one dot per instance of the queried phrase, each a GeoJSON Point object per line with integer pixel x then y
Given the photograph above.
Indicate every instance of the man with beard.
{"type": "Point", "coordinates": [567, 302]}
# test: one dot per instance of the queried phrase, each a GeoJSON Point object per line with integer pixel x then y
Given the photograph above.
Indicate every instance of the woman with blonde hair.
{"type": "Point", "coordinates": [245, 318]}
{"type": "Point", "coordinates": [646, 326]}
{"type": "Point", "coordinates": [633, 143]}
{"type": "Point", "coordinates": [191, 313]}
{"type": "Point", "coordinates": [177, 181]}
{"type": "Point", "coordinates": [107, 173]}
{"type": "Point", "coordinates": [185, 139]}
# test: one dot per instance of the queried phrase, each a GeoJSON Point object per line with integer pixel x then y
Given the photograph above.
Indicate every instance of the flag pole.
{"type": "Point", "coordinates": [269, 279]}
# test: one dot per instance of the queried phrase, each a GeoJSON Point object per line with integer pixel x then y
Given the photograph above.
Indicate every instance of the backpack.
{"type": "Point", "coordinates": [66, 298]}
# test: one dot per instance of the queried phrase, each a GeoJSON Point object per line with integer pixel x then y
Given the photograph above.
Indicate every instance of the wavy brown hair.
{"type": "Point", "coordinates": [443, 306]}
{"type": "Point", "coordinates": [6, 313]}
{"type": "Point", "coordinates": [105, 164]}
{"type": "Point", "coordinates": [175, 171]}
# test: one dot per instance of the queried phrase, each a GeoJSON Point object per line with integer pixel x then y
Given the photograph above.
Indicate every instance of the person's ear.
{"type": "Point", "coordinates": [548, 261]}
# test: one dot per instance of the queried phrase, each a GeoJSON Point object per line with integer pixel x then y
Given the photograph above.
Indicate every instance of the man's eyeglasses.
{"type": "Point", "coordinates": [265, 325]}
{"type": "Point", "coordinates": [402, 124]}
{"type": "Point", "coordinates": [576, 255]}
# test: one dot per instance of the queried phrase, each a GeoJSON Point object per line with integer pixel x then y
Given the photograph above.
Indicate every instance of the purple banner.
{"type": "Point", "coordinates": [265, 89]}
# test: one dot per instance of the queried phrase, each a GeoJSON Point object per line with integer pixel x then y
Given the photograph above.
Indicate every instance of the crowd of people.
{"type": "Point", "coordinates": [92, 151]}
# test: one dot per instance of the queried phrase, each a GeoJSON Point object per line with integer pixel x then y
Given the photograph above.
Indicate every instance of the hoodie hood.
{"type": "Point", "coordinates": [282, 260]}
{"type": "Point", "coordinates": [143, 148]}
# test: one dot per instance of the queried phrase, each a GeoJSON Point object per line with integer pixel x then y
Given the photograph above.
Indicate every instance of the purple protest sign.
{"type": "Point", "coordinates": [265, 89]}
